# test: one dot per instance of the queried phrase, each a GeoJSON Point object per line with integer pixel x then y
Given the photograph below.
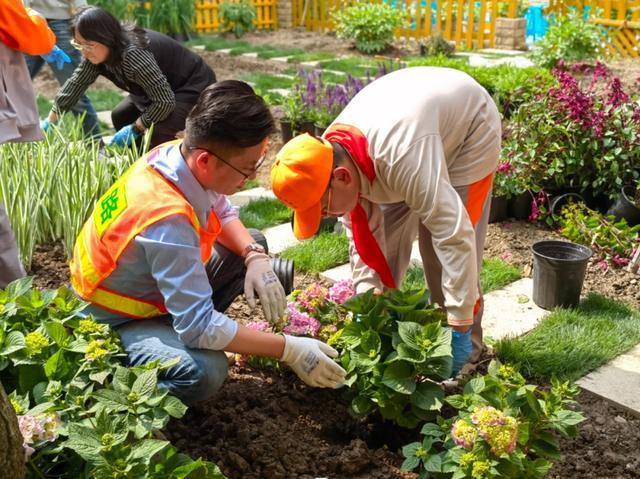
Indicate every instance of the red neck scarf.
{"type": "Point", "coordinates": [352, 140]}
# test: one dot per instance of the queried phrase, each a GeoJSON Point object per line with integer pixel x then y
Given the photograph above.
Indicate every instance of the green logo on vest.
{"type": "Point", "coordinates": [109, 207]}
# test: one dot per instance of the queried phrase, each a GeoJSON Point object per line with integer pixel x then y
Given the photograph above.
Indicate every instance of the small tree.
{"type": "Point", "coordinates": [237, 17]}
{"type": "Point", "coordinates": [570, 38]}
{"type": "Point", "coordinates": [370, 25]}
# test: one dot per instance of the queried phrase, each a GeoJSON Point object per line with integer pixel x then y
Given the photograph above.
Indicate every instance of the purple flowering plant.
{"type": "Point", "coordinates": [503, 428]}
{"type": "Point", "coordinates": [580, 133]}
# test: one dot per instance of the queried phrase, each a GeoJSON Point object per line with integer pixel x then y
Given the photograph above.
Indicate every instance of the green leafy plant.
{"type": "Point", "coordinates": [507, 182]}
{"type": "Point", "coordinates": [504, 428]}
{"type": "Point", "coordinates": [50, 187]}
{"type": "Point", "coordinates": [570, 38]}
{"type": "Point", "coordinates": [98, 417]}
{"type": "Point", "coordinates": [436, 45]}
{"type": "Point", "coordinates": [172, 16]}
{"type": "Point", "coordinates": [369, 25]}
{"type": "Point", "coordinates": [237, 17]}
{"type": "Point", "coordinates": [613, 242]}
{"type": "Point", "coordinates": [394, 350]}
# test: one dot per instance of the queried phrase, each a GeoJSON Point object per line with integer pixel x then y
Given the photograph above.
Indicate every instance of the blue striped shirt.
{"type": "Point", "coordinates": [162, 263]}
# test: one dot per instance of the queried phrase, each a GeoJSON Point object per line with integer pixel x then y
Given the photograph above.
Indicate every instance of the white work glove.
{"type": "Point", "coordinates": [261, 279]}
{"type": "Point", "coordinates": [311, 361]}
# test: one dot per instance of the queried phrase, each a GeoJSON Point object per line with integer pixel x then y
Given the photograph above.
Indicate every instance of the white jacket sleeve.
{"type": "Point", "coordinates": [421, 174]}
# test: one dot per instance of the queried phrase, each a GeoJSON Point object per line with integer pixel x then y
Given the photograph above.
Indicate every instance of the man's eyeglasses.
{"type": "Point", "coordinates": [246, 176]}
{"type": "Point", "coordinates": [79, 46]}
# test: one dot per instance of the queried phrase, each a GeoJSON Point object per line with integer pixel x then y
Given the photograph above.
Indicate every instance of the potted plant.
{"type": "Point", "coordinates": [507, 185]}
{"type": "Point", "coordinates": [627, 205]}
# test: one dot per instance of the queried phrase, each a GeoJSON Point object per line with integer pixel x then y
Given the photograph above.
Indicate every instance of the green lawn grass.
{"type": "Point", "coordinates": [215, 42]}
{"type": "Point", "coordinates": [311, 57]}
{"type": "Point", "coordinates": [264, 212]}
{"type": "Point", "coordinates": [495, 274]}
{"type": "Point", "coordinates": [569, 343]}
{"type": "Point", "coordinates": [356, 66]}
{"type": "Point", "coordinates": [267, 81]}
{"type": "Point", "coordinates": [319, 253]}
{"type": "Point", "coordinates": [103, 99]}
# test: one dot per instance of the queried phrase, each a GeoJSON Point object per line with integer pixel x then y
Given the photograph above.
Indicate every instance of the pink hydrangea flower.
{"type": "Point", "coordinates": [341, 291]}
{"type": "Point", "coordinates": [301, 324]}
{"type": "Point", "coordinates": [464, 434]}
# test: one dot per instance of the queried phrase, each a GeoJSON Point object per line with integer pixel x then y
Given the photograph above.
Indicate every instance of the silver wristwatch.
{"type": "Point", "coordinates": [257, 247]}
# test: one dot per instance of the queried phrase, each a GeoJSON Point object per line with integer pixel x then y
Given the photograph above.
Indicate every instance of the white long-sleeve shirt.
{"type": "Point", "coordinates": [428, 129]}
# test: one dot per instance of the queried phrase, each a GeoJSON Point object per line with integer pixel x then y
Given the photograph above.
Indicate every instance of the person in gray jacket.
{"type": "Point", "coordinates": [21, 31]}
{"type": "Point", "coordinates": [58, 14]}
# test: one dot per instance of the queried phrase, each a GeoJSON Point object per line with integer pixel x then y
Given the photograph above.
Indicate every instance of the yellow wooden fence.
{"type": "Point", "coordinates": [620, 20]}
{"type": "Point", "coordinates": [467, 22]}
{"type": "Point", "coordinates": [207, 15]}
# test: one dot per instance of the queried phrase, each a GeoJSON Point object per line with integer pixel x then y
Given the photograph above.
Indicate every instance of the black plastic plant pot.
{"type": "Point", "coordinates": [624, 207]}
{"type": "Point", "coordinates": [284, 269]}
{"type": "Point", "coordinates": [318, 130]}
{"type": "Point", "coordinates": [520, 206]}
{"type": "Point", "coordinates": [286, 128]}
{"type": "Point", "coordinates": [558, 202]}
{"type": "Point", "coordinates": [558, 273]}
{"type": "Point", "coordinates": [498, 211]}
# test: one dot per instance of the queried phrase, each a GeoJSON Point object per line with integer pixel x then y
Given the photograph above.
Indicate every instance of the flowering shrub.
{"type": "Point", "coordinates": [81, 413]}
{"type": "Point", "coordinates": [369, 25]}
{"type": "Point", "coordinates": [37, 430]}
{"type": "Point", "coordinates": [571, 38]}
{"type": "Point", "coordinates": [585, 136]}
{"type": "Point", "coordinates": [613, 242]}
{"type": "Point", "coordinates": [394, 348]}
{"type": "Point", "coordinates": [504, 428]}
{"type": "Point", "coordinates": [506, 182]}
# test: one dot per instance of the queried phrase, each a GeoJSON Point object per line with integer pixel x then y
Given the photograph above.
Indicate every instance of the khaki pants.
{"type": "Point", "coordinates": [10, 266]}
{"type": "Point", "coordinates": [401, 226]}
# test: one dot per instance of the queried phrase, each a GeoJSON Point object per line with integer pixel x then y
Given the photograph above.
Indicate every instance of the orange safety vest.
{"type": "Point", "coordinates": [140, 198]}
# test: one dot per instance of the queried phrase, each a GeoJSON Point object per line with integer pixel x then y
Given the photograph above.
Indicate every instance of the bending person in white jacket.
{"type": "Point", "coordinates": [414, 153]}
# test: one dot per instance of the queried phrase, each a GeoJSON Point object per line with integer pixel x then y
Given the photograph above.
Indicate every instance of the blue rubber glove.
{"type": "Point", "coordinates": [45, 124]}
{"type": "Point", "coordinates": [57, 57]}
{"type": "Point", "coordinates": [125, 136]}
{"type": "Point", "coordinates": [461, 348]}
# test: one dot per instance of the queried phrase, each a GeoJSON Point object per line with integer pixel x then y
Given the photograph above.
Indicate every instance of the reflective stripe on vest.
{"type": "Point", "coordinates": [140, 198]}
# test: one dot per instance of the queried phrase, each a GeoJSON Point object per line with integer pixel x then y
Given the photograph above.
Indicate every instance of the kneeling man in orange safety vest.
{"type": "Point", "coordinates": [164, 253]}
{"type": "Point", "coordinates": [412, 154]}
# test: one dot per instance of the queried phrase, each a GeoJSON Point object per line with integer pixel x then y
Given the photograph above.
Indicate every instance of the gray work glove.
{"type": "Point", "coordinates": [261, 279]}
{"type": "Point", "coordinates": [311, 360]}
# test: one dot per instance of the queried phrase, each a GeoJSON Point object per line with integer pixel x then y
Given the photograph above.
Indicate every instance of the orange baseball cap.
{"type": "Point", "coordinates": [299, 177]}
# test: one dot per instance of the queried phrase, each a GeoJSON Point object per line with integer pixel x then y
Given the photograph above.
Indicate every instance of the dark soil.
{"type": "Point", "coordinates": [266, 424]}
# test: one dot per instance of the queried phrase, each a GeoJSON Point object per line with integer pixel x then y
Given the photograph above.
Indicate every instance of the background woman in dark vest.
{"type": "Point", "coordinates": [163, 78]}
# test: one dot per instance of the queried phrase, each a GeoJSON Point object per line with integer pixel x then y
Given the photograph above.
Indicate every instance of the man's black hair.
{"type": "Point", "coordinates": [229, 114]}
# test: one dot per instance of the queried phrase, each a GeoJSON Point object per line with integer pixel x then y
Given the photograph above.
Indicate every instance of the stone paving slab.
{"type": "Point", "coordinates": [497, 51]}
{"type": "Point", "coordinates": [617, 381]}
{"type": "Point", "coordinates": [280, 238]}
{"type": "Point", "coordinates": [280, 59]}
{"type": "Point", "coordinates": [338, 273]}
{"type": "Point", "coordinates": [511, 311]}
{"type": "Point", "coordinates": [250, 55]}
{"type": "Point", "coordinates": [241, 198]}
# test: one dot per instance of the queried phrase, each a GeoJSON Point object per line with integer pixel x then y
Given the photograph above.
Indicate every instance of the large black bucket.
{"type": "Point", "coordinates": [284, 270]}
{"type": "Point", "coordinates": [624, 207]}
{"type": "Point", "coordinates": [558, 273]}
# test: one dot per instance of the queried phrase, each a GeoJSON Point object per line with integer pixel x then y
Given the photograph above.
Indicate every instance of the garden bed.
{"type": "Point", "coordinates": [265, 424]}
